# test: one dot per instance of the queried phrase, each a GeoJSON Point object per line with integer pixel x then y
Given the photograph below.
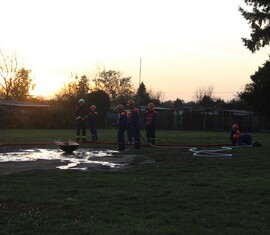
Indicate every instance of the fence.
{"type": "Point", "coordinates": [167, 118]}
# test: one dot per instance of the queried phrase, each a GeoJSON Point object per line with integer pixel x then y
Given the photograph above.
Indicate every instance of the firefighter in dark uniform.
{"type": "Point", "coordinates": [93, 116]}
{"type": "Point", "coordinates": [122, 125]}
{"type": "Point", "coordinates": [135, 120]}
{"type": "Point", "coordinates": [129, 128]}
{"type": "Point", "coordinates": [237, 138]}
{"type": "Point", "coordinates": [81, 118]}
{"type": "Point", "coordinates": [150, 118]}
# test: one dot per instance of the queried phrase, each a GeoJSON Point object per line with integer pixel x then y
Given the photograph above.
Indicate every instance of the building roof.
{"type": "Point", "coordinates": [238, 112]}
{"type": "Point", "coordinates": [157, 108]}
{"type": "Point", "coordinates": [22, 104]}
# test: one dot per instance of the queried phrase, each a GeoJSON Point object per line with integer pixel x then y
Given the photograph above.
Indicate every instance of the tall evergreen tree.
{"type": "Point", "coordinates": [83, 86]}
{"type": "Point", "coordinates": [256, 94]}
{"type": "Point", "coordinates": [259, 21]}
{"type": "Point", "coordinates": [142, 97]}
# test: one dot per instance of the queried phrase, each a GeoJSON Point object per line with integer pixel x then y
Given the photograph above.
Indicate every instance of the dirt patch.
{"type": "Point", "coordinates": [11, 167]}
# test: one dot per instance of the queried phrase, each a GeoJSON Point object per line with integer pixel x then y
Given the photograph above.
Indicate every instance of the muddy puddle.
{"type": "Point", "coordinates": [80, 159]}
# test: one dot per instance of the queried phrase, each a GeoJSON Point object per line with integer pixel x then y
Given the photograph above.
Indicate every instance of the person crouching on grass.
{"type": "Point", "coordinates": [122, 125]}
{"type": "Point", "coordinates": [237, 138]}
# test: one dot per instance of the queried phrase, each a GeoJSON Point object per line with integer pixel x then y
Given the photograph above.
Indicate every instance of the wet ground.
{"type": "Point", "coordinates": [83, 159]}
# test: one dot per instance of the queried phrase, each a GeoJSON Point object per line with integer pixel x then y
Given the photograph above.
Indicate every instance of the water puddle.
{"type": "Point", "coordinates": [80, 159]}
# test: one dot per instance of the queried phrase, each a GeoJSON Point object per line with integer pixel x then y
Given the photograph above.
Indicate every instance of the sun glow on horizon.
{"type": "Point", "coordinates": [183, 45]}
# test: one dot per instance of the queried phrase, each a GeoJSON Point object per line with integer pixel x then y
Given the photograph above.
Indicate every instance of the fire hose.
{"type": "Point", "coordinates": [200, 153]}
{"type": "Point", "coordinates": [164, 146]}
{"type": "Point", "coordinates": [192, 147]}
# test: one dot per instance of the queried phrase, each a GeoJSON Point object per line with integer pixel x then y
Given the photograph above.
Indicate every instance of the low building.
{"type": "Point", "coordinates": [17, 114]}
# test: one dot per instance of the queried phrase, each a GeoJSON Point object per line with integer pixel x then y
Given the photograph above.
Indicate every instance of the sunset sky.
{"type": "Point", "coordinates": [183, 45]}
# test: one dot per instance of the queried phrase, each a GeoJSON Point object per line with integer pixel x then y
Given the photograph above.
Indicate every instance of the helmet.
{"type": "Point", "coordinates": [130, 102]}
{"type": "Point", "coordinates": [93, 107]}
{"type": "Point", "coordinates": [81, 101]}
{"type": "Point", "coordinates": [235, 126]}
{"type": "Point", "coordinates": [150, 105]}
{"type": "Point", "coordinates": [119, 107]}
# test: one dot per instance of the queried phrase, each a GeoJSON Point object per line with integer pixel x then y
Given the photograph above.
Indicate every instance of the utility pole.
{"type": "Point", "coordinates": [140, 71]}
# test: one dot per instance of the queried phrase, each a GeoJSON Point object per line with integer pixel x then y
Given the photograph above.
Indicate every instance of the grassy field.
{"type": "Point", "coordinates": [178, 194]}
{"type": "Point", "coordinates": [163, 136]}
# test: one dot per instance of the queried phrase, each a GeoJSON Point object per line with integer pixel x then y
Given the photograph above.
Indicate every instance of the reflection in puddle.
{"type": "Point", "coordinates": [79, 159]}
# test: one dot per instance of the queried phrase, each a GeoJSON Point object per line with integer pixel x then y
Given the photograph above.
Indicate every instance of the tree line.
{"type": "Point", "coordinates": [111, 87]}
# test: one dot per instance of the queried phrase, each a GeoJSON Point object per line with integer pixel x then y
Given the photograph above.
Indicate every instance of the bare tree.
{"type": "Point", "coordinates": [203, 92]}
{"type": "Point", "coordinates": [156, 96]}
{"type": "Point", "coordinates": [15, 82]}
{"type": "Point", "coordinates": [8, 69]}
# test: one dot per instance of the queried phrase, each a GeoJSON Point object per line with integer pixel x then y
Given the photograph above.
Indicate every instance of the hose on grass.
{"type": "Point", "coordinates": [192, 148]}
{"type": "Point", "coordinates": [212, 152]}
{"type": "Point", "coordinates": [163, 147]}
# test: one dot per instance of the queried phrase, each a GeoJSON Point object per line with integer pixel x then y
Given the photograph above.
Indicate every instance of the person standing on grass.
{"type": "Point", "coordinates": [93, 116]}
{"type": "Point", "coordinates": [129, 128]}
{"type": "Point", "coordinates": [150, 117]}
{"type": "Point", "coordinates": [135, 120]}
{"type": "Point", "coordinates": [122, 125]}
{"type": "Point", "coordinates": [81, 118]}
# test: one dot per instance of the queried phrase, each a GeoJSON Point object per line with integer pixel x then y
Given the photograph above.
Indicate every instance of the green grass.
{"type": "Point", "coordinates": [179, 194]}
{"type": "Point", "coordinates": [163, 136]}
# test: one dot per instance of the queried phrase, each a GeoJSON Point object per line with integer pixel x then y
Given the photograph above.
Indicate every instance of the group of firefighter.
{"type": "Point", "coordinates": [130, 122]}
{"type": "Point", "coordinates": [127, 122]}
